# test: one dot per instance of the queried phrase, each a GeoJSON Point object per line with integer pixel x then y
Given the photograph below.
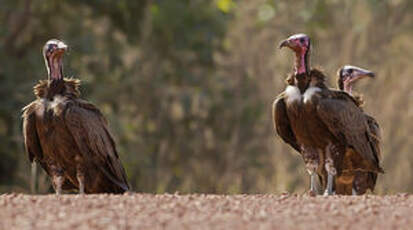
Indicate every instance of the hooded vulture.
{"type": "Point", "coordinates": [68, 136]}
{"type": "Point", "coordinates": [359, 182]}
{"type": "Point", "coordinates": [321, 123]}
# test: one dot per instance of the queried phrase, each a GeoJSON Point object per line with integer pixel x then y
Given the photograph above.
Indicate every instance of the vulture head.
{"type": "Point", "coordinates": [348, 75]}
{"type": "Point", "coordinates": [53, 52]}
{"type": "Point", "coordinates": [300, 44]}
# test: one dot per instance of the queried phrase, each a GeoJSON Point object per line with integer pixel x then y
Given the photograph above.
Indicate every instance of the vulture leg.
{"type": "Point", "coordinates": [331, 171]}
{"type": "Point", "coordinates": [57, 178]}
{"type": "Point", "coordinates": [81, 179]}
{"type": "Point", "coordinates": [313, 181]}
{"type": "Point", "coordinates": [311, 162]}
{"type": "Point", "coordinates": [33, 178]}
{"type": "Point", "coordinates": [57, 183]}
{"type": "Point", "coordinates": [353, 192]}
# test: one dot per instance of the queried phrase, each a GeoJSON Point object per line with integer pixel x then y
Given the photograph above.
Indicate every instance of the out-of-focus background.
{"type": "Point", "coordinates": [187, 85]}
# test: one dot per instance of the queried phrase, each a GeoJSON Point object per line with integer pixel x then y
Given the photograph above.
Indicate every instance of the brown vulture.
{"type": "Point", "coordinates": [321, 123]}
{"type": "Point", "coordinates": [68, 136]}
{"type": "Point", "coordinates": [360, 182]}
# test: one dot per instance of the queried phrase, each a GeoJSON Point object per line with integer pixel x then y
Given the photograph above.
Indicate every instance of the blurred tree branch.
{"type": "Point", "coordinates": [18, 22]}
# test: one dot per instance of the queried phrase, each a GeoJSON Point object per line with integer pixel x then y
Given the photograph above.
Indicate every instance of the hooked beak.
{"type": "Point", "coordinates": [362, 73]}
{"type": "Point", "coordinates": [284, 44]}
{"type": "Point", "coordinates": [371, 74]}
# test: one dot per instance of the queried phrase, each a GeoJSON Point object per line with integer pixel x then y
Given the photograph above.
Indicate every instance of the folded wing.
{"type": "Point", "coordinates": [347, 122]}
{"type": "Point", "coordinates": [282, 123]}
{"type": "Point", "coordinates": [90, 132]}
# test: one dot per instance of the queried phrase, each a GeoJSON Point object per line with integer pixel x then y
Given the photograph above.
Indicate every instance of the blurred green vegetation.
{"type": "Point", "coordinates": [187, 85]}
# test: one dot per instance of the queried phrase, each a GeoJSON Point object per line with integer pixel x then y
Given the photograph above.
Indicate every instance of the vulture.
{"type": "Point", "coordinates": [68, 136]}
{"type": "Point", "coordinates": [359, 182]}
{"type": "Point", "coordinates": [321, 123]}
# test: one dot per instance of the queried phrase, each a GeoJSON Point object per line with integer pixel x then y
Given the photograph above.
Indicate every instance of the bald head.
{"type": "Point", "coordinates": [53, 52]}
{"type": "Point", "coordinates": [348, 75]}
{"type": "Point", "coordinates": [300, 45]}
{"type": "Point", "coordinates": [296, 42]}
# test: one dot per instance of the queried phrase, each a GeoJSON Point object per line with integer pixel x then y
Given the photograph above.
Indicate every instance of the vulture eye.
{"type": "Point", "coordinates": [350, 71]}
{"type": "Point", "coordinates": [302, 40]}
{"type": "Point", "coordinates": [51, 47]}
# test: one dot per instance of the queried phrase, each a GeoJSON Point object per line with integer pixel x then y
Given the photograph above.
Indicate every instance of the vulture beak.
{"type": "Point", "coordinates": [295, 41]}
{"type": "Point", "coordinates": [371, 74]}
{"type": "Point", "coordinates": [359, 73]}
{"type": "Point", "coordinates": [284, 44]}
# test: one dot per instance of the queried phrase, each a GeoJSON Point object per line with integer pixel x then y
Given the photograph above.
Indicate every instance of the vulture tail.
{"type": "Point", "coordinates": [113, 179]}
{"type": "Point", "coordinates": [372, 178]}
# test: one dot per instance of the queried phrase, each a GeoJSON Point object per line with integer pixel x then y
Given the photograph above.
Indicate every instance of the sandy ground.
{"type": "Point", "coordinates": [145, 211]}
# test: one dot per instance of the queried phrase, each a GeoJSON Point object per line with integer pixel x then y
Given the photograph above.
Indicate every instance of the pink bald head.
{"type": "Point", "coordinates": [300, 44]}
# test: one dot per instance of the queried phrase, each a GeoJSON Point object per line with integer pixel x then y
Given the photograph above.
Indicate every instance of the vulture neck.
{"type": "Point", "coordinates": [346, 87]}
{"type": "Point", "coordinates": [55, 75]}
{"type": "Point", "coordinates": [302, 70]}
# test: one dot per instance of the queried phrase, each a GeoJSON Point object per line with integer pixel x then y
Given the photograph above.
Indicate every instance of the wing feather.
{"type": "Point", "coordinates": [375, 134]}
{"type": "Point", "coordinates": [31, 138]}
{"type": "Point", "coordinates": [345, 120]}
{"type": "Point", "coordinates": [282, 123]}
{"type": "Point", "coordinates": [90, 132]}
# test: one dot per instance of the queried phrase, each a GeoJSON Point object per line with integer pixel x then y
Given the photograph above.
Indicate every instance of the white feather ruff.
{"type": "Point", "coordinates": [309, 93]}
{"type": "Point", "coordinates": [292, 94]}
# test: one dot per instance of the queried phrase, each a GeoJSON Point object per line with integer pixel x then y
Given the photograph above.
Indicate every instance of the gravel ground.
{"type": "Point", "coordinates": [169, 211]}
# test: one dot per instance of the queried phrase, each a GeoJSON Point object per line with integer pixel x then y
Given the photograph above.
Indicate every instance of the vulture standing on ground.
{"type": "Point", "coordinates": [68, 136]}
{"type": "Point", "coordinates": [320, 123]}
{"type": "Point", "coordinates": [360, 181]}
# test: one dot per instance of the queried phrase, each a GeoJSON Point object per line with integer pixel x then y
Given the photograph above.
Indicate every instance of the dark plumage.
{"type": "Point", "coordinates": [359, 182]}
{"type": "Point", "coordinates": [321, 123]}
{"type": "Point", "coordinates": [68, 136]}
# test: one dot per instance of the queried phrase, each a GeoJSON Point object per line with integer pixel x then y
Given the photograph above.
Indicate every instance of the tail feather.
{"type": "Point", "coordinates": [124, 186]}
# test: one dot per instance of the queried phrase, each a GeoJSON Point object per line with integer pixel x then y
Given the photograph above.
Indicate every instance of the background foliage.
{"type": "Point", "coordinates": [187, 85]}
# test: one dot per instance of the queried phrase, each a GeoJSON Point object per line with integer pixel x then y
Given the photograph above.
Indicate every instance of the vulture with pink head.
{"type": "Point", "coordinates": [320, 123]}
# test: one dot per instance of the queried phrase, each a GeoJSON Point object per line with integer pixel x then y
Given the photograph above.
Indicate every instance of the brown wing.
{"type": "Point", "coordinates": [90, 132]}
{"type": "Point", "coordinates": [375, 134]}
{"type": "Point", "coordinates": [282, 123]}
{"type": "Point", "coordinates": [342, 95]}
{"type": "Point", "coordinates": [348, 122]}
{"type": "Point", "coordinates": [31, 139]}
